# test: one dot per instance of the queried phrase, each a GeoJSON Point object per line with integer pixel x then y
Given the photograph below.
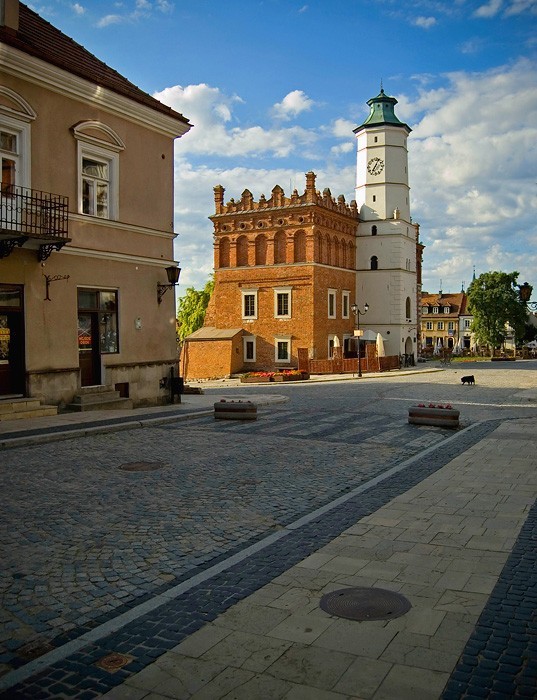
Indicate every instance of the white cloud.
{"type": "Point", "coordinates": [425, 22]}
{"type": "Point", "coordinates": [490, 9]}
{"type": "Point", "coordinates": [304, 8]}
{"type": "Point", "coordinates": [211, 111]}
{"type": "Point", "coordinates": [107, 20]}
{"type": "Point", "coordinates": [78, 9]}
{"type": "Point", "coordinates": [518, 7]}
{"type": "Point", "coordinates": [292, 105]}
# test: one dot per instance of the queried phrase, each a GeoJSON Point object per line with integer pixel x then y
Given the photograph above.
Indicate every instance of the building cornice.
{"type": "Point", "coordinates": [115, 257]}
{"type": "Point", "coordinates": [34, 70]}
{"type": "Point", "coordinates": [109, 224]}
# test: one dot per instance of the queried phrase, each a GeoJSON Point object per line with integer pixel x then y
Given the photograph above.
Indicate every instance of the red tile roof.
{"type": "Point", "coordinates": [39, 38]}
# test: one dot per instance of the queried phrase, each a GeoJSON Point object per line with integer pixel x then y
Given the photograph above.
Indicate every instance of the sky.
{"type": "Point", "coordinates": [274, 88]}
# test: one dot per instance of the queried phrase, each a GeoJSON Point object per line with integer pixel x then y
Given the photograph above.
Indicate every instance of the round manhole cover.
{"type": "Point", "coordinates": [365, 604]}
{"type": "Point", "coordinates": [141, 466]}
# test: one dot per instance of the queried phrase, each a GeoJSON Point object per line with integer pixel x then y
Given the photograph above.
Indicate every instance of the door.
{"type": "Point", "coordinates": [12, 367]}
{"type": "Point", "coordinates": [88, 349]}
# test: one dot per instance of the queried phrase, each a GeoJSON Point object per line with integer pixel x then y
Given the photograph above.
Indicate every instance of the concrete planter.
{"type": "Point", "coordinates": [287, 378]}
{"type": "Point", "coordinates": [235, 410]}
{"type": "Point", "coordinates": [440, 417]}
{"type": "Point", "coordinates": [255, 380]}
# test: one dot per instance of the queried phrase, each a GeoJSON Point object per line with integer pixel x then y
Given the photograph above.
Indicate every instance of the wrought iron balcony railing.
{"type": "Point", "coordinates": [27, 214]}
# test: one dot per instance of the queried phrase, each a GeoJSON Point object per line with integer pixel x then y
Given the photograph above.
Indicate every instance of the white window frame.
{"type": "Point", "coordinates": [429, 326]}
{"type": "Point", "coordinates": [467, 323]}
{"type": "Point", "coordinates": [282, 290]}
{"type": "Point", "coordinates": [424, 309]}
{"type": "Point", "coordinates": [435, 309]}
{"type": "Point", "coordinates": [332, 299]}
{"type": "Point", "coordinates": [345, 304]}
{"type": "Point", "coordinates": [244, 294]}
{"type": "Point", "coordinates": [245, 340]}
{"type": "Point", "coordinates": [440, 326]}
{"type": "Point", "coordinates": [21, 131]}
{"type": "Point", "coordinates": [447, 309]}
{"type": "Point", "coordinates": [282, 339]}
{"type": "Point", "coordinates": [451, 325]}
{"type": "Point", "coordinates": [111, 159]}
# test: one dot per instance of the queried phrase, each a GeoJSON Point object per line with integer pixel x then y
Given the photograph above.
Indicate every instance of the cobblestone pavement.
{"type": "Point", "coordinates": [86, 539]}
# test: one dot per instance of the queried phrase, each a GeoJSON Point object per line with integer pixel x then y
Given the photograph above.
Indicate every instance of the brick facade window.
{"type": "Point", "coordinates": [331, 303]}
{"type": "Point", "coordinates": [249, 348]}
{"type": "Point", "coordinates": [282, 302]}
{"type": "Point", "coordinates": [345, 304]}
{"type": "Point", "coordinates": [283, 349]}
{"type": "Point", "coordinates": [249, 303]}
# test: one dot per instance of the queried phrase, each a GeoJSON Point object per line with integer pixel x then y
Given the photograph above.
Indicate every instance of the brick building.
{"type": "Point", "coordinates": [289, 269]}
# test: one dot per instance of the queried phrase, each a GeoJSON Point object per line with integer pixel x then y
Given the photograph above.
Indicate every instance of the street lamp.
{"type": "Point", "coordinates": [524, 291]}
{"type": "Point", "coordinates": [357, 313]}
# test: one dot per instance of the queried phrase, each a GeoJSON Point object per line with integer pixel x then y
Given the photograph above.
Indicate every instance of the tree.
{"type": "Point", "coordinates": [494, 302]}
{"type": "Point", "coordinates": [192, 308]}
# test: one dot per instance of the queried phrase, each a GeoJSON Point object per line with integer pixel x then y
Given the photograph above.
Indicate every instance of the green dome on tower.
{"type": "Point", "coordinates": [382, 112]}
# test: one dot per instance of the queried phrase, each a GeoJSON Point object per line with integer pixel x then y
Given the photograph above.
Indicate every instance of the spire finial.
{"type": "Point", "coordinates": [381, 86]}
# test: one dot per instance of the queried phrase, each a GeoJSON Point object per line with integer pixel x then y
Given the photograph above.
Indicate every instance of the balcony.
{"type": "Point", "coordinates": [38, 219]}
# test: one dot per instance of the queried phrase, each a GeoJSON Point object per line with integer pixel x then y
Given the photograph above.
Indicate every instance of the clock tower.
{"type": "Point", "coordinates": [387, 257]}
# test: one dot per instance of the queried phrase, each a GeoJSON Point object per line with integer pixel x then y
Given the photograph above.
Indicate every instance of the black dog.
{"type": "Point", "coordinates": [468, 380]}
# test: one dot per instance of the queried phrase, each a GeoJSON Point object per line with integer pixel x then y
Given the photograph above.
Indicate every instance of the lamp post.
{"type": "Point", "coordinates": [357, 313]}
{"type": "Point", "coordinates": [172, 273]}
{"type": "Point", "coordinates": [524, 291]}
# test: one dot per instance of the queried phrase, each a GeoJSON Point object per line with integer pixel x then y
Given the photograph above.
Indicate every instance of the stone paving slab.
{"type": "Point", "coordinates": [278, 643]}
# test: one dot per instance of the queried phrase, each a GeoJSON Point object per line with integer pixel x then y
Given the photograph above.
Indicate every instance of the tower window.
{"type": "Point", "coordinates": [374, 263]}
{"type": "Point", "coordinates": [374, 197]}
{"type": "Point", "coordinates": [373, 230]}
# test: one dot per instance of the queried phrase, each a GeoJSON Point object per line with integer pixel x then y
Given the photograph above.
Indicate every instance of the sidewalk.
{"type": "Point", "coordinates": [444, 544]}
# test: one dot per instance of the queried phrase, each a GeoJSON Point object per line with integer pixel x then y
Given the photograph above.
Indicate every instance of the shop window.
{"type": "Point", "coordinates": [102, 304]}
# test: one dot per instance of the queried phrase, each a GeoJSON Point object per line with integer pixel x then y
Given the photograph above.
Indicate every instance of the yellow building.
{"type": "Point", "coordinates": [445, 322]}
{"type": "Point", "coordinates": [86, 221]}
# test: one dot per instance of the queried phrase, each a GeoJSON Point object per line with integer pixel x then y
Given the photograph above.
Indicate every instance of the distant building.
{"type": "Point", "coordinates": [86, 220]}
{"type": "Point", "coordinates": [288, 269]}
{"type": "Point", "coordinates": [445, 321]}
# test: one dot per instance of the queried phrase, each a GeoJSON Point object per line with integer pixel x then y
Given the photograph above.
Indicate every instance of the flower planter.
{"type": "Point", "coordinates": [235, 410]}
{"type": "Point", "coordinates": [440, 417]}
{"type": "Point", "coordinates": [255, 380]}
{"type": "Point", "coordinates": [287, 378]}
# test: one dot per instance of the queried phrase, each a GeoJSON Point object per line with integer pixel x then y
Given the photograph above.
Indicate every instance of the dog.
{"type": "Point", "coordinates": [470, 379]}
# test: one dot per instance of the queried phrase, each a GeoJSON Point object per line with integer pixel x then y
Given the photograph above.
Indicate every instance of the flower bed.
{"type": "Point", "coordinates": [440, 415]}
{"type": "Point", "coordinates": [287, 375]}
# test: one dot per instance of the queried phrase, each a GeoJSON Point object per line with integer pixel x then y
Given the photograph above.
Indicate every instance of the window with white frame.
{"type": "Point", "coordinates": [467, 323]}
{"type": "Point", "coordinates": [249, 303]}
{"type": "Point", "coordinates": [282, 302]}
{"type": "Point", "coordinates": [446, 309]}
{"type": "Point", "coordinates": [451, 326]}
{"type": "Point", "coordinates": [331, 303]}
{"type": "Point", "coordinates": [282, 347]}
{"type": "Point", "coordinates": [424, 309]}
{"type": "Point", "coordinates": [249, 348]}
{"type": "Point", "coordinates": [429, 326]}
{"type": "Point", "coordinates": [440, 325]}
{"type": "Point", "coordinates": [98, 169]}
{"type": "Point", "coordinates": [15, 144]}
{"type": "Point", "coordinates": [345, 304]}
{"type": "Point", "coordinates": [435, 309]}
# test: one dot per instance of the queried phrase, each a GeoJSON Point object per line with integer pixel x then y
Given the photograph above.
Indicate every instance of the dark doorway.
{"type": "Point", "coordinates": [88, 349]}
{"type": "Point", "coordinates": [12, 366]}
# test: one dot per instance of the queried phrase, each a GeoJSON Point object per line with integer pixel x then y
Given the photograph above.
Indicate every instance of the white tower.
{"type": "Point", "coordinates": [386, 250]}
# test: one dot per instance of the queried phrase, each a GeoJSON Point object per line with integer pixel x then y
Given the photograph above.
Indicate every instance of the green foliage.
{"type": "Point", "coordinates": [493, 300]}
{"type": "Point", "coordinates": [192, 308]}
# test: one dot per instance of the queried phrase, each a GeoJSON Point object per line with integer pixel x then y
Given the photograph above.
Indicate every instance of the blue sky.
{"type": "Point", "coordinates": [275, 87]}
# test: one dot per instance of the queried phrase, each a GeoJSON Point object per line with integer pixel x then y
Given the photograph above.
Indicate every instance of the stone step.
{"type": "Point", "coordinates": [40, 412]}
{"type": "Point", "coordinates": [20, 404]}
{"type": "Point", "coordinates": [95, 389]}
{"type": "Point", "coordinates": [101, 404]}
{"type": "Point", "coordinates": [89, 398]}
{"type": "Point", "coordinates": [25, 407]}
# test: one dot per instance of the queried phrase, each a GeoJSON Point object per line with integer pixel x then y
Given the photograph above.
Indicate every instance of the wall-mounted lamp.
{"type": "Point", "coordinates": [173, 273]}
{"type": "Point", "coordinates": [48, 281]}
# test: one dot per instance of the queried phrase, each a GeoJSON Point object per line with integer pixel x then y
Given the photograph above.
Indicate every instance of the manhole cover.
{"type": "Point", "coordinates": [365, 604]}
{"type": "Point", "coordinates": [113, 662]}
{"type": "Point", "coordinates": [142, 466]}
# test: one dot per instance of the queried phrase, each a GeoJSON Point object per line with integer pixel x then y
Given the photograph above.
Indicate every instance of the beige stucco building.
{"type": "Point", "coordinates": [80, 268]}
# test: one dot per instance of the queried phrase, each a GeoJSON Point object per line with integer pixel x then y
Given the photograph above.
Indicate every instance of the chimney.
{"type": "Point", "coordinates": [9, 14]}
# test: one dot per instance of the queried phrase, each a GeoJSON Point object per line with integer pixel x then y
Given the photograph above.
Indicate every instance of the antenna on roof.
{"type": "Point", "coordinates": [462, 287]}
{"type": "Point", "coordinates": [381, 86]}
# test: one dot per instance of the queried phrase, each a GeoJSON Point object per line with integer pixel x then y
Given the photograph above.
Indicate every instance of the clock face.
{"type": "Point", "coordinates": [375, 166]}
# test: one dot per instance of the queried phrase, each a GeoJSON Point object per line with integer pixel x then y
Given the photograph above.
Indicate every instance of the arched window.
{"type": "Point", "coordinates": [374, 262]}
{"type": "Point", "coordinates": [242, 251]}
{"type": "Point", "coordinates": [408, 308]}
{"type": "Point", "coordinates": [261, 250]}
{"type": "Point", "coordinates": [280, 248]}
{"type": "Point", "coordinates": [300, 247]}
{"type": "Point", "coordinates": [223, 252]}
{"type": "Point", "coordinates": [336, 252]}
{"type": "Point", "coordinates": [373, 230]}
{"type": "Point", "coordinates": [319, 248]}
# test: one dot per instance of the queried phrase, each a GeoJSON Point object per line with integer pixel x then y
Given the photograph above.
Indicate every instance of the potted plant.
{"type": "Point", "coordinates": [441, 415]}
